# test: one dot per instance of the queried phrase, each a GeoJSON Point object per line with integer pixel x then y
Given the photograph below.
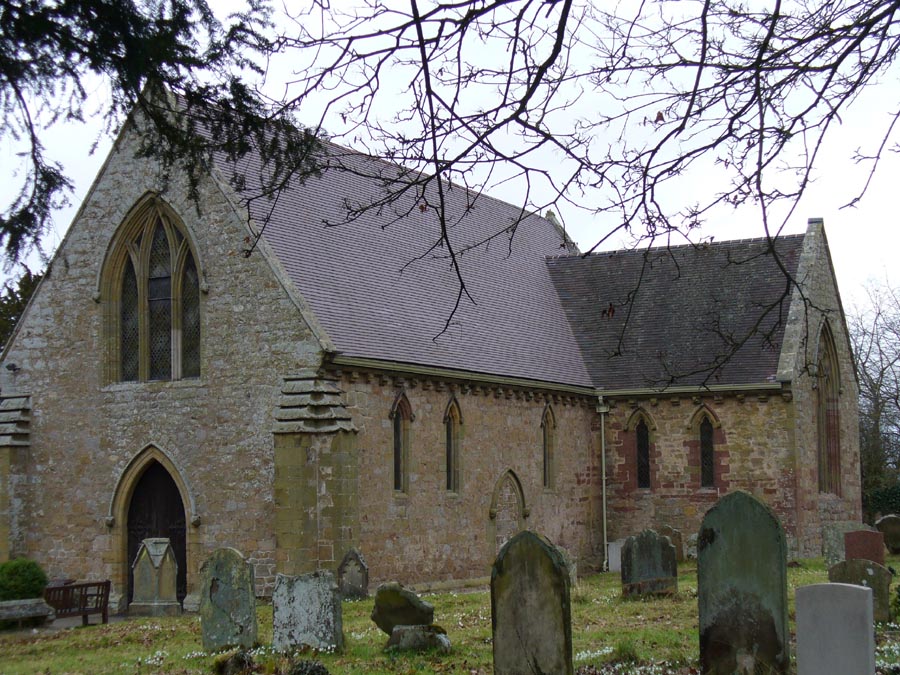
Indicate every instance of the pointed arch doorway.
{"type": "Point", "coordinates": [156, 510]}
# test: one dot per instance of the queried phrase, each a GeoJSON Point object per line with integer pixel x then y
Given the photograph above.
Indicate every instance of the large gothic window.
{"type": "Point", "coordinates": [827, 415]}
{"type": "Point", "coordinates": [153, 275]}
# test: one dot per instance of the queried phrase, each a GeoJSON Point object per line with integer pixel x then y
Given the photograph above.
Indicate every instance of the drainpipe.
{"type": "Point", "coordinates": [603, 408]}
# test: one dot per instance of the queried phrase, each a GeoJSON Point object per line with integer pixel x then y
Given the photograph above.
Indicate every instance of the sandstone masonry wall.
{"type": "Point", "coordinates": [216, 430]}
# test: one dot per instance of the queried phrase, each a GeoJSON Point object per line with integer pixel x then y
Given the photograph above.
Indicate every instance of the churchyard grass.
{"type": "Point", "coordinates": [605, 628]}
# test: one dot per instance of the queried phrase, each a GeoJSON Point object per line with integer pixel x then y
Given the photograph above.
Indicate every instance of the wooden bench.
{"type": "Point", "coordinates": [84, 599]}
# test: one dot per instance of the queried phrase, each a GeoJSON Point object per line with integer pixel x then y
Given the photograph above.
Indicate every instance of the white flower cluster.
{"type": "Point", "coordinates": [156, 659]}
{"type": "Point", "coordinates": [591, 654]}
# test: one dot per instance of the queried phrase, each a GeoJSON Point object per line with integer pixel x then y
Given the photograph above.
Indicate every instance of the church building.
{"type": "Point", "coordinates": [329, 387]}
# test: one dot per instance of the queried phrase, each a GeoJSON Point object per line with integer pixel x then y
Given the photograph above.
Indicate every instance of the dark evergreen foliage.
{"type": "Point", "coordinates": [13, 300]}
{"type": "Point", "coordinates": [21, 579]}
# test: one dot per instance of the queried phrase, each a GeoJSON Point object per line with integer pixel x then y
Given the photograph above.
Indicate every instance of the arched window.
{"type": "Point", "coordinates": [642, 442]}
{"type": "Point", "coordinates": [827, 415]}
{"type": "Point", "coordinates": [548, 426]}
{"type": "Point", "coordinates": [707, 459]}
{"type": "Point", "coordinates": [401, 416]}
{"type": "Point", "coordinates": [153, 279]}
{"type": "Point", "coordinates": [452, 425]}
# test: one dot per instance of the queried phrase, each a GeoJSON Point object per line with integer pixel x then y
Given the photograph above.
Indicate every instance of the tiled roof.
{"type": "Point", "coordinates": [380, 291]}
{"type": "Point", "coordinates": [664, 316]}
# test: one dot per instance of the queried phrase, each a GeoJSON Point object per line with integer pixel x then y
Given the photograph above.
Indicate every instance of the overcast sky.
{"type": "Point", "coordinates": [864, 240]}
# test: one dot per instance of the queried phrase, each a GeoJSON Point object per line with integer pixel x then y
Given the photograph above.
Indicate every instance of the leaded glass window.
{"type": "Point", "coordinates": [402, 416]}
{"type": "Point", "coordinates": [642, 434]}
{"type": "Point", "coordinates": [128, 325]}
{"type": "Point", "coordinates": [451, 428]}
{"type": "Point", "coordinates": [828, 417]}
{"type": "Point", "coordinates": [548, 426]}
{"type": "Point", "coordinates": [707, 466]}
{"type": "Point", "coordinates": [159, 314]}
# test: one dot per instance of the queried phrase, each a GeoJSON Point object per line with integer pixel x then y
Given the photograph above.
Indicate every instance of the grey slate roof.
{"type": "Point", "coordinates": [381, 292]}
{"type": "Point", "coordinates": [678, 311]}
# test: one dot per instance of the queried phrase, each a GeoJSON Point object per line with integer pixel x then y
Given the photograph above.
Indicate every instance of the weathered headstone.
{"type": "Point", "coordinates": [353, 576]}
{"type": "Point", "coordinates": [864, 545]}
{"type": "Point", "coordinates": [227, 601]}
{"type": "Point", "coordinates": [648, 566]}
{"type": "Point", "coordinates": [871, 575]}
{"type": "Point", "coordinates": [419, 638]}
{"type": "Point", "coordinates": [571, 566]}
{"type": "Point", "coordinates": [396, 605]}
{"type": "Point", "coordinates": [306, 612]}
{"type": "Point", "coordinates": [155, 572]}
{"type": "Point", "coordinates": [742, 589]}
{"type": "Point", "coordinates": [833, 538]}
{"type": "Point", "coordinates": [614, 555]}
{"type": "Point", "coordinates": [530, 610]}
{"type": "Point", "coordinates": [889, 526]}
{"type": "Point", "coordinates": [834, 630]}
{"type": "Point", "coordinates": [676, 539]}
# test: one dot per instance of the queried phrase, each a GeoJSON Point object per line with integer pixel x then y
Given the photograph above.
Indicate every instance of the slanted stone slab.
{"type": "Point", "coordinates": [396, 605]}
{"type": "Point", "coordinates": [353, 576]}
{"type": "Point", "coordinates": [742, 588]}
{"type": "Point", "coordinates": [871, 575]}
{"type": "Point", "coordinates": [227, 601]}
{"type": "Point", "coordinates": [155, 574]}
{"type": "Point", "coordinates": [833, 539]}
{"type": "Point", "coordinates": [864, 545]}
{"type": "Point", "coordinates": [676, 538]}
{"type": "Point", "coordinates": [889, 526]}
{"type": "Point", "coordinates": [307, 612]}
{"type": "Point", "coordinates": [530, 610]}
{"type": "Point", "coordinates": [32, 608]}
{"type": "Point", "coordinates": [648, 566]}
{"type": "Point", "coordinates": [418, 638]}
{"type": "Point", "coordinates": [834, 630]}
{"type": "Point", "coordinates": [614, 555]}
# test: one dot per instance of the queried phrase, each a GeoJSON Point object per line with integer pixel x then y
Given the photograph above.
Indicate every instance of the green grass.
{"type": "Point", "coordinates": [606, 628]}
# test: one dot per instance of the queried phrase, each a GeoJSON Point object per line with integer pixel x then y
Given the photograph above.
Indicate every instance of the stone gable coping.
{"type": "Point", "coordinates": [15, 420]}
{"type": "Point", "coordinates": [312, 403]}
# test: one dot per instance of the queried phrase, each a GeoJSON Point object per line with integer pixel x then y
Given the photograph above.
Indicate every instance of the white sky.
{"type": "Point", "coordinates": [864, 240]}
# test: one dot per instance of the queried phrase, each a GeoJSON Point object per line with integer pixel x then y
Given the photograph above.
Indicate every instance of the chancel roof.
{"type": "Point", "coordinates": [703, 315]}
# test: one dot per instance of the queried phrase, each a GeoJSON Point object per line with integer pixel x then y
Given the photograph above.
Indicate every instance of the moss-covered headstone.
{"type": "Point", "coordinates": [889, 526]}
{"type": "Point", "coordinates": [648, 566]}
{"type": "Point", "coordinates": [530, 610]}
{"type": "Point", "coordinates": [742, 589]}
{"type": "Point", "coordinates": [676, 538]}
{"type": "Point", "coordinates": [859, 572]}
{"type": "Point", "coordinates": [227, 601]}
{"type": "Point", "coordinates": [306, 612]}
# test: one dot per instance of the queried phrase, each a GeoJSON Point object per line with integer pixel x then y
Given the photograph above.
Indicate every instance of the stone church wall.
{"type": "Point", "coordinates": [429, 534]}
{"type": "Point", "coordinates": [216, 430]}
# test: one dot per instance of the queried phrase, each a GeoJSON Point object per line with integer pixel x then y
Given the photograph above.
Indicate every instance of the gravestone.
{"type": "Point", "coordinates": [834, 630]}
{"type": "Point", "coordinates": [530, 610]}
{"type": "Point", "coordinates": [648, 566]}
{"type": "Point", "coordinates": [889, 526]}
{"type": "Point", "coordinates": [676, 539]}
{"type": "Point", "coordinates": [306, 612]}
{"type": "Point", "coordinates": [396, 605]}
{"type": "Point", "coordinates": [614, 555]}
{"type": "Point", "coordinates": [353, 576]}
{"type": "Point", "coordinates": [871, 575]}
{"type": "Point", "coordinates": [864, 545]}
{"type": "Point", "coordinates": [227, 601]}
{"type": "Point", "coordinates": [155, 572]}
{"type": "Point", "coordinates": [742, 588]}
{"type": "Point", "coordinates": [833, 539]}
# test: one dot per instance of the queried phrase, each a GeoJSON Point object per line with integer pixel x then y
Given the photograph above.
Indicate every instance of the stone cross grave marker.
{"type": "Point", "coordinates": [834, 630]}
{"type": "Point", "coordinates": [648, 566]}
{"type": "Point", "coordinates": [155, 572]}
{"type": "Point", "coordinates": [742, 589]}
{"type": "Point", "coordinates": [676, 538]}
{"type": "Point", "coordinates": [530, 610]}
{"type": "Point", "coordinates": [833, 539]}
{"type": "Point", "coordinates": [307, 612]}
{"type": "Point", "coordinates": [889, 526]}
{"type": "Point", "coordinates": [864, 545]}
{"type": "Point", "coordinates": [871, 575]}
{"type": "Point", "coordinates": [353, 576]}
{"type": "Point", "coordinates": [227, 601]}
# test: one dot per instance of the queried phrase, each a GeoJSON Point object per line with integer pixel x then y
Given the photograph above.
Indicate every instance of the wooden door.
{"type": "Point", "coordinates": [156, 510]}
